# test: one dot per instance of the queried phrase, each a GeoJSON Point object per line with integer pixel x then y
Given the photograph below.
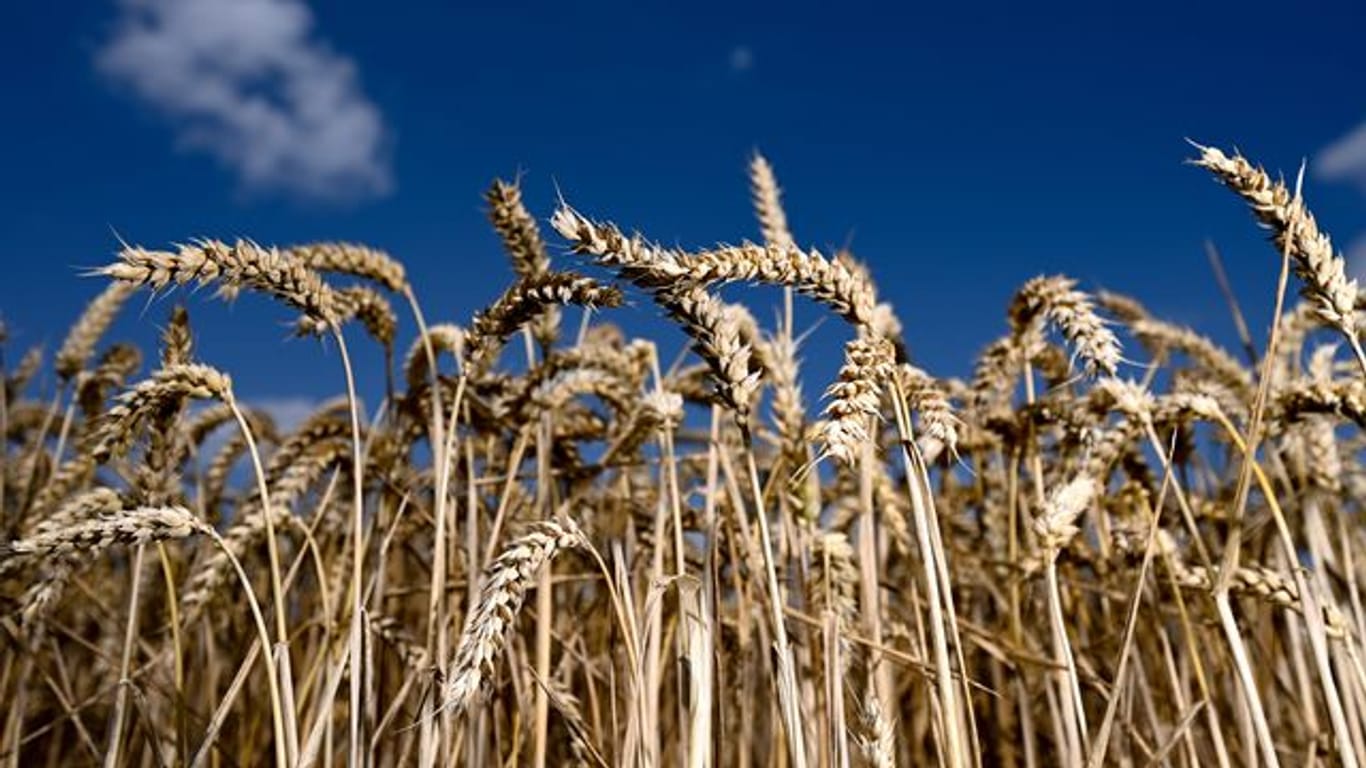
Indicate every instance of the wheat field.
{"type": "Point", "coordinates": [549, 543]}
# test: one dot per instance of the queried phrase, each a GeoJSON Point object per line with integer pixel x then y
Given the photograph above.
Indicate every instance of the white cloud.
{"type": "Point", "coordinates": [1345, 159]}
{"type": "Point", "coordinates": [287, 412]}
{"type": "Point", "coordinates": [741, 58]}
{"type": "Point", "coordinates": [248, 82]}
{"type": "Point", "coordinates": [1356, 260]}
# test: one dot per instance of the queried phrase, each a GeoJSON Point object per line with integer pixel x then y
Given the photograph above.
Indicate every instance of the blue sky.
{"type": "Point", "coordinates": [960, 148]}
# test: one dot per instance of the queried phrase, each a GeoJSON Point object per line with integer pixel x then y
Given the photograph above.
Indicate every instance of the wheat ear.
{"type": "Point", "coordinates": [768, 204]}
{"type": "Point", "coordinates": [95, 535]}
{"type": "Point", "coordinates": [506, 582]}
{"type": "Point", "coordinates": [1294, 231]}
{"type": "Point", "coordinates": [121, 425]}
{"type": "Point", "coordinates": [244, 264]}
{"type": "Point", "coordinates": [855, 397]}
{"type": "Point", "coordinates": [85, 334]}
{"type": "Point", "coordinates": [526, 300]}
{"type": "Point", "coordinates": [351, 259]}
{"type": "Point", "coordinates": [1056, 300]}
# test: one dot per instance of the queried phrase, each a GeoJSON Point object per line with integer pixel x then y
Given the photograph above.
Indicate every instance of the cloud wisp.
{"type": "Point", "coordinates": [1345, 159]}
{"type": "Point", "coordinates": [248, 82]}
{"type": "Point", "coordinates": [741, 58]}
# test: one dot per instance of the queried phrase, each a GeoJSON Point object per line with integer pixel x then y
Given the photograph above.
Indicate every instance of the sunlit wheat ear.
{"type": "Point", "coordinates": [85, 335]}
{"type": "Point", "coordinates": [634, 258]}
{"type": "Point", "coordinates": [1263, 584]}
{"type": "Point", "coordinates": [1056, 300]}
{"type": "Point", "coordinates": [121, 425]}
{"type": "Point", "coordinates": [80, 509]}
{"type": "Point", "coordinates": [1056, 525]}
{"type": "Point", "coordinates": [855, 397]}
{"type": "Point", "coordinates": [62, 551]}
{"type": "Point", "coordinates": [672, 278]}
{"type": "Point", "coordinates": [927, 398]}
{"type": "Point", "coordinates": [95, 535]}
{"type": "Point", "coordinates": [242, 265]}
{"type": "Point", "coordinates": [767, 199]}
{"type": "Point", "coordinates": [526, 300]}
{"type": "Point", "coordinates": [1129, 398]}
{"type": "Point", "coordinates": [351, 259]}
{"type": "Point", "coordinates": [506, 582]}
{"type": "Point", "coordinates": [842, 288]}
{"type": "Point", "coordinates": [1294, 231]}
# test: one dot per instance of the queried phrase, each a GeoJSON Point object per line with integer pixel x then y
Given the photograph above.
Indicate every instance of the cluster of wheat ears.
{"type": "Point", "coordinates": [1081, 556]}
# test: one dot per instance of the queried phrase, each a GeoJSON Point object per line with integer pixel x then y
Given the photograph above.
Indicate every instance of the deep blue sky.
{"type": "Point", "coordinates": [961, 149]}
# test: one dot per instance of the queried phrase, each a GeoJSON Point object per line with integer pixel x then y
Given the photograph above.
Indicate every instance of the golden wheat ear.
{"type": "Point", "coordinates": [506, 582]}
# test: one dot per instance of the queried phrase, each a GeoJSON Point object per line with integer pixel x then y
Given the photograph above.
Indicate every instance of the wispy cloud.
{"type": "Point", "coordinates": [287, 411]}
{"type": "Point", "coordinates": [1345, 159]}
{"type": "Point", "coordinates": [741, 58]}
{"type": "Point", "coordinates": [248, 82]}
{"type": "Point", "coordinates": [1356, 259]}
